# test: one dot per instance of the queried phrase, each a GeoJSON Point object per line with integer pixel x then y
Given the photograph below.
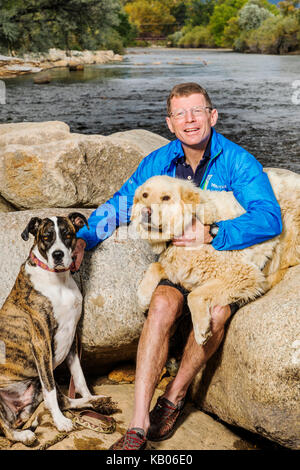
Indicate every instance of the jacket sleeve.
{"type": "Point", "coordinates": [116, 211]}
{"type": "Point", "coordinates": [262, 220]}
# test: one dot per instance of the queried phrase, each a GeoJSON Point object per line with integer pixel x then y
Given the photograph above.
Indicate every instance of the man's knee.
{"type": "Point", "coordinates": [219, 317]}
{"type": "Point", "coordinates": [166, 306]}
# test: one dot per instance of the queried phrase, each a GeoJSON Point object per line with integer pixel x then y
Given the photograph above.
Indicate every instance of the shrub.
{"type": "Point", "coordinates": [276, 35]}
{"type": "Point", "coordinates": [199, 36]}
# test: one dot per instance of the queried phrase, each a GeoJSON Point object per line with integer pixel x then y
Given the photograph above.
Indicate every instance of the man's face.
{"type": "Point", "coordinates": [192, 129]}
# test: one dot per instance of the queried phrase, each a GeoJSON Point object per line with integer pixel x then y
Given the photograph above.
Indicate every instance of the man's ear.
{"type": "Point", "coordinates": [32, 227]}
{"type": "Point", "coordinates": [78, 220]}
{"type": "Point", "coordinates": [213, 117]}
{"type": "Point", "coordinates": [170, 126]}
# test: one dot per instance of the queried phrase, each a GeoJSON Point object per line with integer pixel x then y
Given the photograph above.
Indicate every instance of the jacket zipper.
{"type": "Point", "coordinates": [207, 169]}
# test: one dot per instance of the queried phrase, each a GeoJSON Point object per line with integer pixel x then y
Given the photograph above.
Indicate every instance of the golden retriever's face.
{"type": "Point", "coordinates": [162, 207]}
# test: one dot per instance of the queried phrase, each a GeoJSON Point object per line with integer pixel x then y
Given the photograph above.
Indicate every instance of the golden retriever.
{"type": "Point", "coordinates": [163, 206]}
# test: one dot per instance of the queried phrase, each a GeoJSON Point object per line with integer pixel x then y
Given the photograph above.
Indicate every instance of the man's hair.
{"type": "Point", "coordinates": [187, 89]}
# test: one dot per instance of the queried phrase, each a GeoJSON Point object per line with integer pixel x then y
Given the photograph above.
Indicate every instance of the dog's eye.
{"type": "Point", "coordinates": [165, 198]}
{"type": "Point", "coordinates": [145, 195]}
{"type": "Point", "coordinates": [45, 238]}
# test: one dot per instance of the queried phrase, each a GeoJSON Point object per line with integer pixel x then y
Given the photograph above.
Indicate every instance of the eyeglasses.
{"type": "Point", "coordinates": [195, 110]}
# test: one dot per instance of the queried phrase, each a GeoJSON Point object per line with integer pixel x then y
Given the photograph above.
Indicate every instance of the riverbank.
{"type": "Point", "coordinates": [36, 62]}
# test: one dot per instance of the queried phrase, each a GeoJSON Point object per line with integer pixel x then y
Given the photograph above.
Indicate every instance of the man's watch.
{"type": "Point", "coordinates": [213, 230]}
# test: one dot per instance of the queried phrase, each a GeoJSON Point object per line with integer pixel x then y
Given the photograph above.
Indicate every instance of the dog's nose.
{"type": "Point", "coordinates": [146, 214]}
{"type": "Point", "coordinates": [58, 255]}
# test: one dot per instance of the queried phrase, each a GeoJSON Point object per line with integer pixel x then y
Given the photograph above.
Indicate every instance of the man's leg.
{"type": "Point", "coordinates": [166, 306]}
{"type": "Point", "coordinates": [195, 356]}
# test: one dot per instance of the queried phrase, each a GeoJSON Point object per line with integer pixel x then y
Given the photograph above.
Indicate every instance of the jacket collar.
{"type": "Point", "coordinates": [215, 147]}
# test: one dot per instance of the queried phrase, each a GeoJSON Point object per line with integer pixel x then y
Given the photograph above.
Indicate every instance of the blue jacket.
{"type": "Point", "coordinates": [231, 168]}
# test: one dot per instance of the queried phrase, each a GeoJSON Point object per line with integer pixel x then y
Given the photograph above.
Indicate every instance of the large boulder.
{"type": "Point", "coordinates": [113, 320]}
{"type": "Point", "coordinates": [109, 276]}
{"type": "Point", "coordinates": [44, 165]}
{"type": "Point", "coordinates": [253, 380]}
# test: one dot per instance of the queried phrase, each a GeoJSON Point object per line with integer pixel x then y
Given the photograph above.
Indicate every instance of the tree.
{"type": "Point", "coordinates": [199, 11]}
{"type": "Point", "coordinates": [251, 16]}
{"type": "Point", "coordinates": [152, 18]}
{"type": "Point", "coordinates": [36, 25]}
{"type": "Point", "coordinates": [223, 11]}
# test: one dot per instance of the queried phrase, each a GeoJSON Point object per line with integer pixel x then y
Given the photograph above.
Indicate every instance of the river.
{"type": "Point", "coordinates": [256, 95]}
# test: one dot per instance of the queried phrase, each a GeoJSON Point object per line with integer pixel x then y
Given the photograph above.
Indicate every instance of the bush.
{"type": "Point", "coordinates": [251, 16]}
{"type": "Point", "coordinates": [199, 36]}
{"type": "Point", "coordinates": [276, 35]}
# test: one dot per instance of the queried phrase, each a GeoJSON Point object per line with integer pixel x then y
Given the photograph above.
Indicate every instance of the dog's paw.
{"type": "Point", "coordinates": [144, 295]}
{"type": "Point", "coordinates": [201, 336]}
{"type": "Point", "coordinates": [26, 437]}
{"type": "Point", "coordinates": [64, 424]}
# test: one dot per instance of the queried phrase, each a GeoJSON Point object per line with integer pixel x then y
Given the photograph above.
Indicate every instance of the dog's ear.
{"type": "Point", "coordinates": [137, 195]}
{"type": "Point", "coordinates": [78, 220]}
{"type": "Point", "coordinates": [32, 227]}
{"type": "Point", "coordinates": [158, 247]}
{"type": "Point", "coordinates": [190, 194]}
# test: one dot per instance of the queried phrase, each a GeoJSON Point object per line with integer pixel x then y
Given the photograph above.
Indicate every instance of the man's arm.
{"type": "Point", "coordinates": [262, 220]}
{"type": "Point", "coordinates": [115, 212]}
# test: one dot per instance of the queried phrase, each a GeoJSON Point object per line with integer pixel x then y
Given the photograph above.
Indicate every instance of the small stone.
{"type": "Point", "coordinates": [123, 374]}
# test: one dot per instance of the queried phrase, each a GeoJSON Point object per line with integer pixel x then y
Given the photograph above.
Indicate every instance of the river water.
{"type": "Point", "coordinates": [257, 96]}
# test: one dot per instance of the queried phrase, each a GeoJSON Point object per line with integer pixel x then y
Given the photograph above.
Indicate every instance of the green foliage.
{"type": "Point", "coordinates": [276, 35]}
{"type": "Point", "coordinates": [36, 25]}
{"type": "Point", "coordinates": [231, 32]}
{"type": "Point", "coordinates": [152, 18]}
{"type": "Point", "coordinates": [199, 36]}
{"type": "Point", "coordinates": [251, 16]}
{"type": "Point", "coordinates": [127, 31]}
{"type": "Point", "coordinates": [223, 11]}
{"type": "Point", "coordinates": [199, 11]}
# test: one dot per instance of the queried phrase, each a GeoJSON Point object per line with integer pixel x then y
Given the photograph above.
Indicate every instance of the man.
{"type": "Point", "coordinates": [213, 162]}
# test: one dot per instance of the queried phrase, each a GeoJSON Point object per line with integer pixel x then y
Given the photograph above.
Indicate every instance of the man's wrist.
{"type": "Point", "coordinates": [213, 231]}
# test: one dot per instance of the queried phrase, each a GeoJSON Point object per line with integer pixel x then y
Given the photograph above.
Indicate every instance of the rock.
{"type": "Point", "coordinates": [6, 206]}
{"type": "Point", "coordinates": [164, 383]}
{"type": "Point", "coordinates": [35, 62]}
{"type": "Point", "coordinates": [74, 67]}
{"type": "Point", "coordinates": [44, 165]}
{"type": "Point", "coordinates": [111, 328]}
{"type": "Point", "coordinates": [42, 79]}
{"type": "Point", "coordinates": [253, 380]}
{"type": "Point", "coordinates": [123, 374]}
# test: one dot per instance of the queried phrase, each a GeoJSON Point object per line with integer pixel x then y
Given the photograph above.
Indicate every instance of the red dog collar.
{"type": "Point", "coordinates": [42, 265]}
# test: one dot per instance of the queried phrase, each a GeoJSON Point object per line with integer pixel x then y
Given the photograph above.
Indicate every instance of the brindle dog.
{"type": "Point", "coordinates": [37, 327]}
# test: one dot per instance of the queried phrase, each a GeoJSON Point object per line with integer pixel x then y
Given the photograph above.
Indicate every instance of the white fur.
{"type": "Point", "coordinates": [66, 299]}
{"type": "Point", "coordinates": [61, 422]}
{"type": "Point", "coordinates": [58, 245]}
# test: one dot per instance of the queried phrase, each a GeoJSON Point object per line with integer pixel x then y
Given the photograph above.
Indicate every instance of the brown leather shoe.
{"type": "Point", "coordinates": [163, 419]}
{"type": "Point", "coordinates": [133, 439]}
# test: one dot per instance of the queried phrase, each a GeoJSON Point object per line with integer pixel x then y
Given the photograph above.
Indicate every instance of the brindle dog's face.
{"type": "Point", "coordinates": [55, 238]}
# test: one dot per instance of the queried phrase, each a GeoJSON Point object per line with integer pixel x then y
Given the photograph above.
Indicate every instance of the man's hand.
{"type": "Point", "coordinates": [195, 235]}
{"type": "Point", "coordinates": [78, 253]}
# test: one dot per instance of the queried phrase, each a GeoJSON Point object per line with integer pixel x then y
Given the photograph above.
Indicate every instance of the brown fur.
{"type": "Point", "coordinates": [213, 277]}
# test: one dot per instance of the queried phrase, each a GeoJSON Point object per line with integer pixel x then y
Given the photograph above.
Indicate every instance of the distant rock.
{"type": "Point", "coordinates": [35, 62]}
